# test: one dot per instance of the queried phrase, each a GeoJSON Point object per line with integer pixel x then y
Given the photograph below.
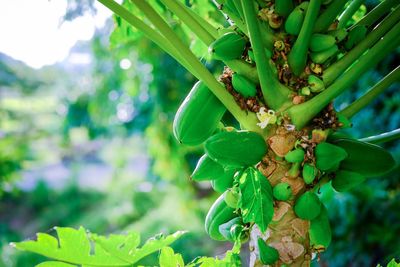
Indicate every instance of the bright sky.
{"type": "Point", "coordinates": [30, 30]}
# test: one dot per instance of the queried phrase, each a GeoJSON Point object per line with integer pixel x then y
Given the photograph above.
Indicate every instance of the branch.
{"type": "Point", "coordinates": [248, 120]}
{"type": "Point", "coordinates": [297, 57]}
{"type": "Point", "coordinates": [370, 96]}
{"type": "Point", "coordinates": [348, 13]}
{"type": "Point", "coordinates": [376, 13]}
{"type": "Point", "coordinates": [275, 94]}
{"type": "Point", "coordinates": [382, 138]}
{"type": "Point", "coordinates": [337, 68]}
{"type": "Point", "coordinates": [301, 114]}
{"type": "Point", "coordinates": [328, 16]}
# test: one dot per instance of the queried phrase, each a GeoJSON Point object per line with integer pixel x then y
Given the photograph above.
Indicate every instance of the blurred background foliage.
{"type": "Point", "coordinates": [92, 145]}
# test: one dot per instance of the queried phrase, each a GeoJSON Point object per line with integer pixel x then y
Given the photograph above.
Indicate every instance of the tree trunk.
{"type": "Point", "coordinates": [287, 233]}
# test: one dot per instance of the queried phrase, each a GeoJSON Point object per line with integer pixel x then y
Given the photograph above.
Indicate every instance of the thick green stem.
{"type": "Point", "coordinates": [336, 69]}
{"type": "Point", "coordinates": [248, 120]}
{"type": "Point", "coordinates": [382, 138]}
{"type": "Point", "coordinates": [348, 13]}
{"type": "Point", "coordinates": [297, 58]}
{"type": "Point", "coordinates": [232, 15]}
{"type": "Point", "coordinates": [192, 23]}
{"type": "Point", "coordinates": [371, 95]}
{"type": "Point", "coordinates": [375, 14]}
{"type": "Point", "coordinates": [303, 113]}
{"type": "Point", "coordinates": [329, 15]}
{"type": "Point", "coordinates": [275, 94]}
{"type": "Point", "coordinates": [146, 30]}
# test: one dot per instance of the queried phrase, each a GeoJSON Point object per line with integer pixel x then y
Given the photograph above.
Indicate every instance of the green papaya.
{"type": "Point", "coordinates": [320, 42]}
{"type": "Point", "coordinates": [320, 230]}
{"type": "Point", "coordinates": [198, 116]}
{"type": "Point", "coordinates": [315, 84]}
{"type": "Point", "coordinates": [236, 149]}
{"type": "Point", "coordinates": [295, 19]}
{"type": "Point", "coordinates": [283, 7]}
{"type": "Point", "coordinates": [224, 182]}
{"type": "Point", "coordinates": [243, 85]}
{"type": "Point", "coordinates": [294, 22]}
{"type": "Point", "coordinates": [268, 255]}
{"type": "Point", "coordinates": [296, 155]}
{"type": "Point", "coordinates": [328, 156]}
{"type": "Point", "coordinates": [232, 198]}
{"type": "Point", "coordinates": [218, 214]}
{"type": "Point", "coordinates": [307, 206]}
{"type": "Point", "coordinates": [282, 191]}
{"type": "Point", "coordinates": [225, 228]}
{"type": "Point", "coordinates": [346, 180]}
{"type": "Point", "coordinates": [207, 169]}
{"type": "Point", "coordinates": [231, 45]}
{"type": "Point", "coordinates": [309, 173]}
{"type": "Point", "coordinates": [339, 34]}
{"type": "Point", "coordinates": [365, 158]}
{"type": "Point", "coordinates": [322, 56]}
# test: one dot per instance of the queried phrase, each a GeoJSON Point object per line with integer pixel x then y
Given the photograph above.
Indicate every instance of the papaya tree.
{"type": "Point", "coordinates": [285, 62]}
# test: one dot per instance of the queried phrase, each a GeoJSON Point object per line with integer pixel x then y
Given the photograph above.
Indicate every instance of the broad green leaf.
{"type": "Point", "coordinates": [169, 259]}
{"type": "Point", "coordinates": [393, 263]}
{"type": "Point", "coordinates": [78, 247]}
{"type": "Point", "coordinates": [129, 252]}
{"type": "Point", "coordinates": [256, 202]}
{"type": "Point", "coordinates": [231, 259]}
{"type": "Point", "coordinates": [72, 246]}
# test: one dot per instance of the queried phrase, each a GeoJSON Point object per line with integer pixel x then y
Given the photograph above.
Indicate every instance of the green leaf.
{"type": "Point", "coordinates": [169, 259]}
{"type": "Point", "coordinates": [125, 247]}
{"type": "Point", "coordinates": [256, 202]}
{"type": "Point", "coordinates": [231, 259]}
{"type": "Point", "coordinates": [79, 247]}
{"type": "Point", "coordinates": [393, 263]}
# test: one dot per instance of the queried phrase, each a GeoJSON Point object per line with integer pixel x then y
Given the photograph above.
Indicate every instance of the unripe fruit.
{"type": "Point", "coordinates": [322, 56]}
{"type": "Point", "coordinates": [243, 85]}
{"type": "Point", "coordinates": [328, 156]}
{"type": "Point", "coordinates": [229, 46]}
{"type": "Point", "coordinates": [207, 169]}
{"type": "Point", "coordinates": [222, 183]}
{"type": "Point", "coordinates": [307, 206]}
{"type": "Point", "coordinates": [282, 191]}
{"type": "Point", "coordinates": [294, 156]}
{"type": "Point", "coordinates": [231, 198]}
{"type": "Point", "coordinates": [218, 214]}
{"type": "Point", "coordinates": [225, 228]}
{"type": "Point", "coordinates": [295, 19]}
{"type": "Point", "coordinates": [268, 255]}
{"type": "Point", "coordinates": [236, 149]}
{"type": "Point", "coordinates": [316, 84]}
{"type": "Point", "coordinates": [193, 122]}
{"type": "Point", "coordinates": [309, 173]}
{"type": "Point", "coordinates": [320, 42]}
{"type": "Point", "coordinates": [320, 230]}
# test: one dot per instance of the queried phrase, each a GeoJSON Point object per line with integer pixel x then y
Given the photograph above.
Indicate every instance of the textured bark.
{"type": "Point", "coordinates": [287, 233]}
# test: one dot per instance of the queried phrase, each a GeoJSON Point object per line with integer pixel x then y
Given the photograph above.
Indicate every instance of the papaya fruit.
{"type": "Point", "coordinates": [268, 255]}
{"type": "Point", "coordinates": [365, 158]}
{"type": "Point", "coordinates": [328, 156]}
{"type": "Point", "coordinates": [218, 214]}
{"type": "Point", "coordinates": [229, 46]}
{"type": "Point", "coordinates": [243, 85]}
{"type": "Point", "coordinates": [320, 230]}
{"type": "Point", "coordinates": [295, 19]}
{"type": "Point", "coordinates": [315, 84]}
{"type": "Point", "coordinates": [207, 169]}
{"type": "Point", "coordinates": [321, 42]}
{"type": "Point", "coordinates": [232, 198]}
{"type": "Point", "coordinates": [225, 228]}
{"type": "Point", "coordinates": [283, 7]}
{"type": "Point", "coordinates": [309, 173]}
{"type": "Point", "coordinates": [282, 191]}
{"type": "Point", "coordinates": [346, 180]}
{"type": "Point", "coordinates": [296, 155]}
{"type": "Point", "coordinates": [321, 56]}
{"type": "Point", "coordinates": [307, 206]}
{"type": "Point", "coordinates": [236, 149]}
{"type": "Point", "coordinates": [198, 116]}
{"type": "Point", "coordinates": [224, 182]}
